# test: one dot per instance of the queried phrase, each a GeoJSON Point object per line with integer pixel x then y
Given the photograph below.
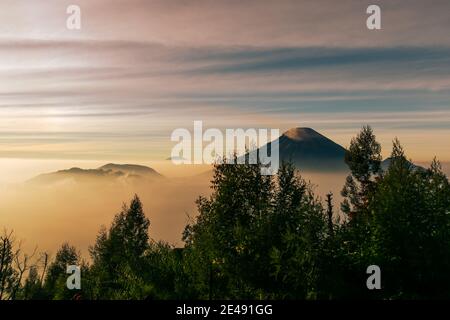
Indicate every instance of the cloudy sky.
{"type": "Point", "coordinates": [137, 70]}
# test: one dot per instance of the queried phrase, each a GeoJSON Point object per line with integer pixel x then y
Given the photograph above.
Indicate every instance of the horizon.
{"type": "Point", "coordinates": [19, 170]}
{"type": "Point", "coordinates": [110, 92]}
{"type": "Point", "coordinates": [233, 152]}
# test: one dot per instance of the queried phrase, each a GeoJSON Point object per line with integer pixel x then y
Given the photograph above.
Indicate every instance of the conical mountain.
{"type": "Point", "coordinates": [309, 150]}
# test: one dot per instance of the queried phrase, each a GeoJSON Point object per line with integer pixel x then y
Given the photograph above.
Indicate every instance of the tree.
{"type": "Point", "coordinates": [22, 262]}
{"type": "Point", "coordinates": [56, 276]}
{"type": "Point", "coordinates": [268, 237]}
{"type": "Point", "coordinates": [364, 160]}
{"type": "Point", "coordinates": [8, 275]}
{"type": "Point", "coordinates": [220, 243]}
{"type": "Point", "coordinates": [330, 212]}
{"type": "Point", "coordinates": [256, 236]}
{"type": "Point", "coordinates": [165, 274]}
{"type": "Point", "coordinates": [32, 288]}
{"type": "Point", "coordinates": [118, 255]}
{"type": "Point", "coordinates": [298, 230]}
{"type": "Point", "coordinates": [411, 234]}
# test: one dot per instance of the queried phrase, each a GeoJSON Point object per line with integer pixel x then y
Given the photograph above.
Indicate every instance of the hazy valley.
{"type": "Point", "coordinates": [73, 203]}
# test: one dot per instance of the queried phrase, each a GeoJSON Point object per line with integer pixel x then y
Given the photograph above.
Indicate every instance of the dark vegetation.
{"type": "Point", "coordinates": [263, 237]}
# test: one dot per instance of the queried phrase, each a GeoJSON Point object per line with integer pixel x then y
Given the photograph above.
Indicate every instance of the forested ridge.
{"type": "Point", "coordinates": [266, 237]}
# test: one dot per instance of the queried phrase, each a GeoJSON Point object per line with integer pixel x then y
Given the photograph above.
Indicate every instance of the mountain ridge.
{"type": "Point", "coordinates": [306, 148]}
{"type": "Point", "coordinates": [107, 171]}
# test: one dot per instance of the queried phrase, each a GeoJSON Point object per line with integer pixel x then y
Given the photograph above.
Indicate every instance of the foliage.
{"type": "Point", "coordinates": [364, 160]}
{"type": "Point", "coordinates": [267, 237]}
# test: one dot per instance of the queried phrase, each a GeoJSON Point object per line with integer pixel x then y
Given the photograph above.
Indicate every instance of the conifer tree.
{"type": "Point", "coordinates": [364, 160]}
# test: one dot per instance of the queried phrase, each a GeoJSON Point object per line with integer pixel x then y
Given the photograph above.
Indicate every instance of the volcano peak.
{"type": "Point", "coordinates": [299, 134]}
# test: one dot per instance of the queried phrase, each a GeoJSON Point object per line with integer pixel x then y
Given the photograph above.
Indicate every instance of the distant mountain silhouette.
{"type": "Point", "coordinates": [129, 169]}
{"type": "Point", "coordinates": [306, 148]}
{"type": "Point", "coordinates": [109, 171]}
{"type": "Point", "coordinates": [311, 151]}
{"type": "Point", "coordinates": [387, 162]}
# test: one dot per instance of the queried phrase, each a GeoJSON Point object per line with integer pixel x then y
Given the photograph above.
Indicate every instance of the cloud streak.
{"type": "Point", "coordinates": [143, 68]}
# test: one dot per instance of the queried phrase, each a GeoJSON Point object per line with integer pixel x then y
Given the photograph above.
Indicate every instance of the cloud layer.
{"type": "Point", "coordinates": [139, 69]}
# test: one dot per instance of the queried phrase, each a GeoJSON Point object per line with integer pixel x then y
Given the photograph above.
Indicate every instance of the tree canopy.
{"type": "Point", "coordinates": [267, 237]}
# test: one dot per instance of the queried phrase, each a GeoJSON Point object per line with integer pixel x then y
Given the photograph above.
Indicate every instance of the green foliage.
{"type": "Point", "coordinates": [55, 280]}
{"type": "Point", "coordinates": [256, 237]}
{"type": "Point", "coordinates": [222, 243]}
{"type": "Point", "coordinates": [364, 160]}
{"type": "Point", "coordinates": [405, 230]}
{"type": "Point", "coordinates": [269, 237]}
{"type": "Point", "coordinates": [32, 288]}
{"type": "Point", "coordinates": [410, 229]}
{"type": "Point", "coordinates": [118, 256]}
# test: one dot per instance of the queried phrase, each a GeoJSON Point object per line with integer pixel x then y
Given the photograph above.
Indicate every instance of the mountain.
{"type": "Point", "coordinates": [387, 162]}
{"type": "Point", "coordinates": [130, 169]}
{"type": "Point", "coordinates": [310, 151]}
{"type": "Point", "coordinates": [108, 172]}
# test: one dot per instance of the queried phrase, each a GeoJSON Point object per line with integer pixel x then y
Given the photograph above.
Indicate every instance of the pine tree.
{"type": "Point", "coordinates": [119, 255]}
{"type": "Point", "coordinates": [55, 280]}
{"type": "Point", "coordinates": [410, 229]}
{"type": "Point", "coordinates": [32, 288]}
{"type": "Point", "coordinates": [364, 161]}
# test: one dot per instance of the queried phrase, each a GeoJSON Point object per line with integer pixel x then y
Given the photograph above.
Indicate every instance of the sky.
{"type": "Point", "coordinates": [137, 70]}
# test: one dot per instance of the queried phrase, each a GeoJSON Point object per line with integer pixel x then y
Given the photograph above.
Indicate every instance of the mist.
{"type": "Point", "coordinates": [45, 215]}
{"type": "Point", "coordinates": [73, 210]}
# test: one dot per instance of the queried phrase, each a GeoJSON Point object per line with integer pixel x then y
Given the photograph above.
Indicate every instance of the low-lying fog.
{"type": "Point", "coordinates": [47, 214]}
